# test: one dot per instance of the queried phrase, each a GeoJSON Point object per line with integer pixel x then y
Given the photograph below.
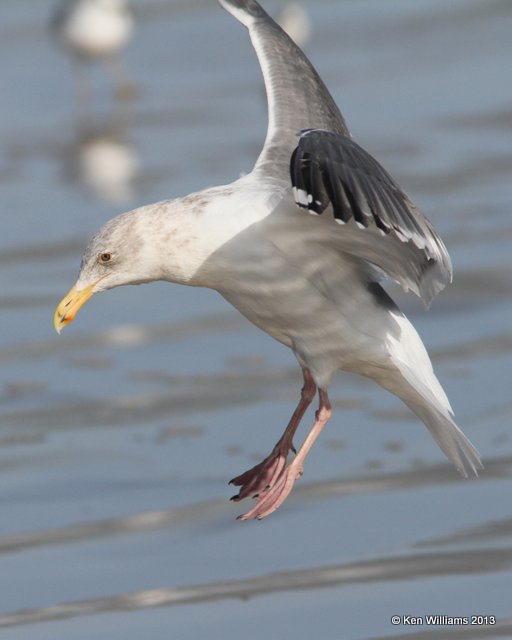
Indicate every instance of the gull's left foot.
{"type": "Point", "coordinates": [275, 495]}
{"type": "Point", "coordinates": [261, 477]}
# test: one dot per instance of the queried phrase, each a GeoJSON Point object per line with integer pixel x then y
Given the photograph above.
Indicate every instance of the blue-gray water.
{"type": "Point", "coordinates": [117, 439]}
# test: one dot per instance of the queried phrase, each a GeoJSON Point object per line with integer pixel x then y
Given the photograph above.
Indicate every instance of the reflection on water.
{"type": "Point", "coordinates": [103, 161]}
{"type": "Point", "coordinates": [328, 489]}
{"type": "Point", "coordinates": [405, 566]}
{"type": "Point", "coordinates": [118, 438]}
{"type": "Point", "coordinates": [419, 566]}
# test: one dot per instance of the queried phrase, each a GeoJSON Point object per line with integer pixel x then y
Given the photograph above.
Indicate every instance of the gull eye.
{"type": "Point", "coordinates": [105, 257]}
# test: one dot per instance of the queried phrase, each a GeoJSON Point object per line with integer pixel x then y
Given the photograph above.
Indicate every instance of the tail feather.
{"type": "Point", "coordinates": [455, 445]}
{"type": "Point", "coordinates": [415, 383]}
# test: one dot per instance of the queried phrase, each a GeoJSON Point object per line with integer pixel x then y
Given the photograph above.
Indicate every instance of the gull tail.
{"type": "Point", "coordinates": [415, 383]}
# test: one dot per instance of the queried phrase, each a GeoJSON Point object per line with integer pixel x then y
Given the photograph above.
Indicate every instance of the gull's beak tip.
{"type": "Point", "coordinates": [69, 306]}
{"type": "Point", "coordinates": [58, 324]}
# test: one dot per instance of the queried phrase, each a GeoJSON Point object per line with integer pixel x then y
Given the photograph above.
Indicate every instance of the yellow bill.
{"type": "Point", "coordinates": [69, 306]}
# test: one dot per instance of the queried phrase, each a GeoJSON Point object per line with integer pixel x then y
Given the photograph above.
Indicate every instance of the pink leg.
{"type": "Point", "coordinates": [265, 474]}
{"type": "Point", "coordinates": [272, 499]}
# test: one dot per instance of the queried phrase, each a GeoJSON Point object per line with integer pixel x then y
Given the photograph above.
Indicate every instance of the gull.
{"type": "Point", "coordinates": [299, 246]}
{"type": "Point", "coordinates": [94, 29]}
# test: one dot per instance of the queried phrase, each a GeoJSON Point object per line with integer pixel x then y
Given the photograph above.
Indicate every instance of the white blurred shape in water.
{"type": "Point", "coordinates": [295, 21]}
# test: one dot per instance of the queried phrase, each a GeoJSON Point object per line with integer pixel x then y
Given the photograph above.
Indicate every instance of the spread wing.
{"type": "Point", "coordinates": [330, 171]}
{"type": "Point", "coordinates": [296, 95]}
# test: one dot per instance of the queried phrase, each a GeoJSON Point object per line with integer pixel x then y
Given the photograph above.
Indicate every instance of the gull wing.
{"type": "Point", "coordinates": [328, 169]}
{"type": "Point", "coordinates": [380, 224]}
{"type": "Point", "coordinates": [297, 97]}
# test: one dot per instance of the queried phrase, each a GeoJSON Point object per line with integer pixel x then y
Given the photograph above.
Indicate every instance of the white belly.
{"type": "Point", "coordinates": [329, 318]}
{"type": "Point", "coordinates": [303, 292]}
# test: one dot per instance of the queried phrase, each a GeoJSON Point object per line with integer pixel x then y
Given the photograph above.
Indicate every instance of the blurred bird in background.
{"type": "Point", "coordinates": [294, 19]}
{"type": "Point", "coordinates": [95, 30]}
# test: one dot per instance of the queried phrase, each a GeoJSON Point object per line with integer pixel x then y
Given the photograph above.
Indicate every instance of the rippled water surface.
{"type": "Point", "coordinates": [117, 439]}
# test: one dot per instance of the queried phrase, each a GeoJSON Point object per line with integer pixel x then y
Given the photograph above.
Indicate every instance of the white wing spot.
{"type": "Point", "coordinates": [302, 197]}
